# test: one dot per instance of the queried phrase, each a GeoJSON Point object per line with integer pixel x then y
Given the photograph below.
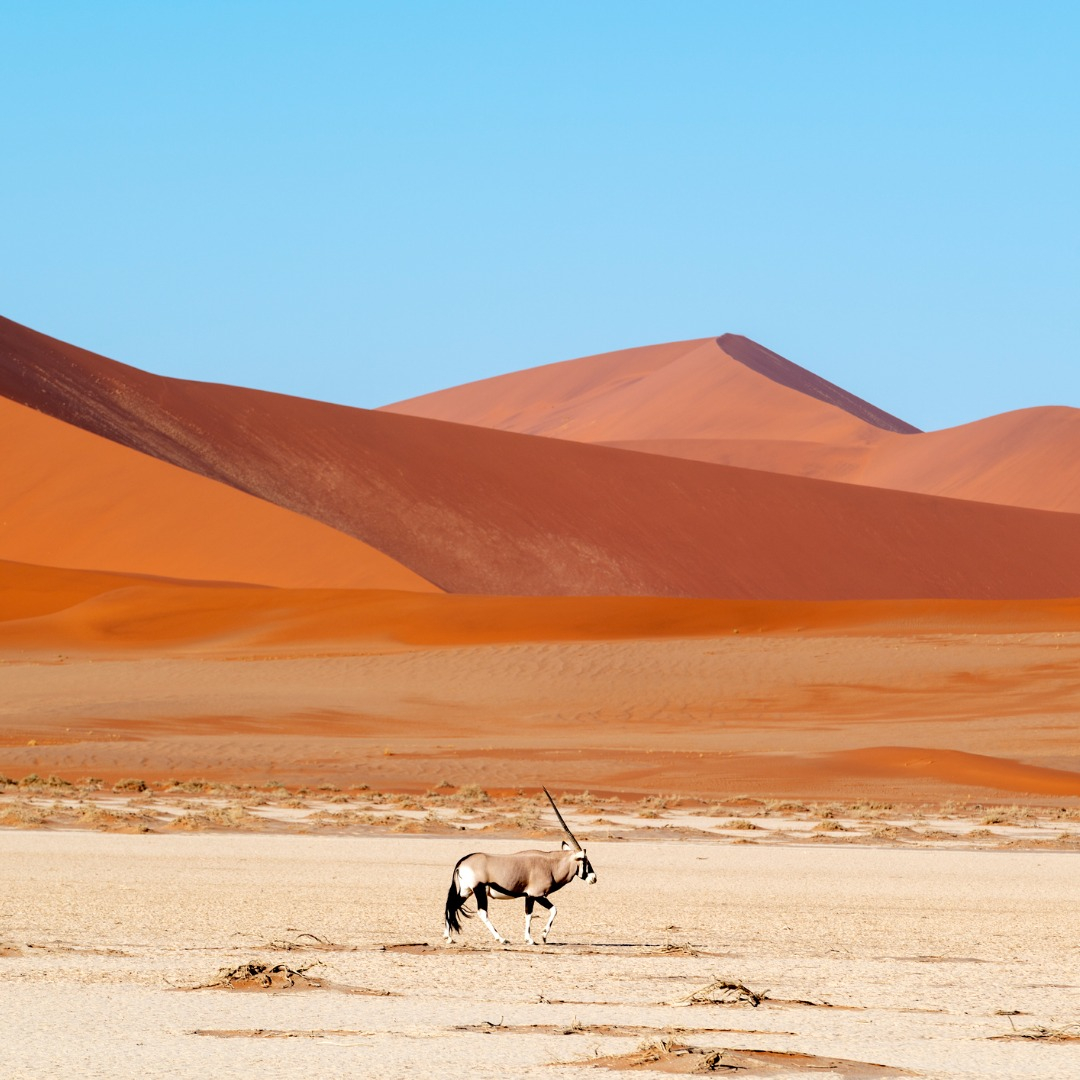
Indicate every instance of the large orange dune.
{"type": "Point", "coordinates": [70, 498]}
{"type": "Point", "coordinates": [484, 511]}
{"type": "Point", "coordinates": [730, 401]}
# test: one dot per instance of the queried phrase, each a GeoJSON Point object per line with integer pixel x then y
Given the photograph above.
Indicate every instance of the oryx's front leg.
{"type": "Point", "coordinates": [529, 901]}
{"type": "Point", "coordinates": [481, 909]}
{"type": "Point", "coordinates": [543, 901]}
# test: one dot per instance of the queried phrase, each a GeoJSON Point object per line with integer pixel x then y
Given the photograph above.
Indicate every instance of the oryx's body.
{"type": "Point", "coordinates": [533, 875]}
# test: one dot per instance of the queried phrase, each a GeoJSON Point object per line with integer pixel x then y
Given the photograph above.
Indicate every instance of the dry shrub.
{"type": "Point", "coordinates": [870, 809]}
{"type": "Point", "coordinates": [981, 834]}
{"type": "Point", "coordinates": [828, 825]}
{"type": "Point", "coordinates": [233, 816]}
{"type": "Point", "coordinates": [192, 786]}
{"type": "Point", "coordinates": [473, 792]}
{"type": "Point", "coordinates": [31, 780]}
{"type": "Point", "coordinates": [585, 799]}
{"type": "Point", "coordinates": [739, 823]}
{"type": "Point", "coordinates": [888, 832]}
{"type": "Point", "coordinates": [654, 802]}
{"type": "Point", "coordinates": [97, 818]}
{"type": "Point", "coordinates": [129, 784]}
{"type": "Point", "coordinates": [23, 815]}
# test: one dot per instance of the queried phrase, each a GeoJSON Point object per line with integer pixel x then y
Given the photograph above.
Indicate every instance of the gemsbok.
{"type": "Point", "coordinates": [534, 875]}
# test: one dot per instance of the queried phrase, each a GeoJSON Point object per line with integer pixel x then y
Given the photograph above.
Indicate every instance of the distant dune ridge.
{"type": "Point", "coordinates": [476, 510]}
{"type": "Point", "coordinates": [730, 401]}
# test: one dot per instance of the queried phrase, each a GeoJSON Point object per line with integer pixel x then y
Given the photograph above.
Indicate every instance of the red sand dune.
{"type": "Point", "coordinates": [730, 401]}
{"type": "Point", "coordinates": [70, 498]}
{"type": "Point", "coordinates": [727, 387]}
{"type": "Point", "coordinates": [477, 510]}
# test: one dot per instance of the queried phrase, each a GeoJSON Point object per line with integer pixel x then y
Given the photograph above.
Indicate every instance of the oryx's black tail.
{"type": "Point", "coordinates": [455, 905]}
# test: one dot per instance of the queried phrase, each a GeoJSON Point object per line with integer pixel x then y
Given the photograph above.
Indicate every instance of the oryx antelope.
{"type": "Point", "coordinates": [534, 875]}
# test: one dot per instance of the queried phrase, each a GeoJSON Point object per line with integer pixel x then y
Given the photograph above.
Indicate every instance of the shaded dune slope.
{"type": "Point", "coordinates": [482, 511]}
{"type": "Point", "coordinates": [71, 498]}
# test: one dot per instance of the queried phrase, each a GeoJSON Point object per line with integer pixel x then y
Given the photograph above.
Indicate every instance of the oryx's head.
{"type": "Point", "coordinates": [584, 870]}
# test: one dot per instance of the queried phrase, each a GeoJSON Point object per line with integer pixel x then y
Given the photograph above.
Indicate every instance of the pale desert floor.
{"type": "Point", "coordinates": [925, 957]}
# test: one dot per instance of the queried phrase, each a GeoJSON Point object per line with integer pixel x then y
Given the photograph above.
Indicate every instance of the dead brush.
{"type": "Point", "coordinates": [1037, 1033]}
{"type": "Point", "coordinates": [739, 823]}
{"type": "Point", "coordinates": [256, 976]}
{"type": "Point", "coordinates": [724, 992]}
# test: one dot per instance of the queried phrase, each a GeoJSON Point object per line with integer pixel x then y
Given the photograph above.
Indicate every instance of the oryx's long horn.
{"type": "Point", "coordinates": [566, 828]}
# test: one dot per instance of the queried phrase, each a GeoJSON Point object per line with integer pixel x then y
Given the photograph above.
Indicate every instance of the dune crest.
{"type": "Point", "coordinates": [709, 388]}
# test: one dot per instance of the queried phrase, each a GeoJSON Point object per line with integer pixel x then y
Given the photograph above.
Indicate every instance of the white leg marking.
{"type": "Point", "coordinates": [551, 919]}
{"type": "Point", "coordinates": [494, 933]}
{"type": "Point", "coordinates": [528, 931]}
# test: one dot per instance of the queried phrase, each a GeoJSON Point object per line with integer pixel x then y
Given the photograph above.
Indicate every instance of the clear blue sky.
{"type": "Point", "coordinates": [360, 202]}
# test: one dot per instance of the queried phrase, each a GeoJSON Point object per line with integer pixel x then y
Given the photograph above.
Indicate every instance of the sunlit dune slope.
{"type": "Point", "coordinates": [54, 608]}
{"type": "Point", "coordinates": [728, 387]}
{"type": "Point", "coordinates": [730, 401]}
{"type": "Point", "coordinates": [71, 498]}
{"type": "Point", "coordinates": [483, 511]}
{"type": "Point", "coordinates": [1030, 458]}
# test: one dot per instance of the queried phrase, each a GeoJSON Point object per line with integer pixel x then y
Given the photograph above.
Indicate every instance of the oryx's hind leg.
{"type": "Point", "coordinates": [543, 901]}
{"type": "Point", "coordinates": [480, 892]}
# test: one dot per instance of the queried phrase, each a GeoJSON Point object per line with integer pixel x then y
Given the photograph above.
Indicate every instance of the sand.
{"type": "Point", "coordinates": [73, 499]}
{"type": "Point", "coordinates": [114, 678]}
{"type": "Point", "coordinates": [730, 401]}
{"type": "Point", "coordinates": [475, 510]}
{"type": "Point", "coordinates": [918, 954]}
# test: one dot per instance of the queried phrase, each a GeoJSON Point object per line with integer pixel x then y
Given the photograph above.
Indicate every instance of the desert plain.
{"type": "Point", "coordinates": [803, 679]}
